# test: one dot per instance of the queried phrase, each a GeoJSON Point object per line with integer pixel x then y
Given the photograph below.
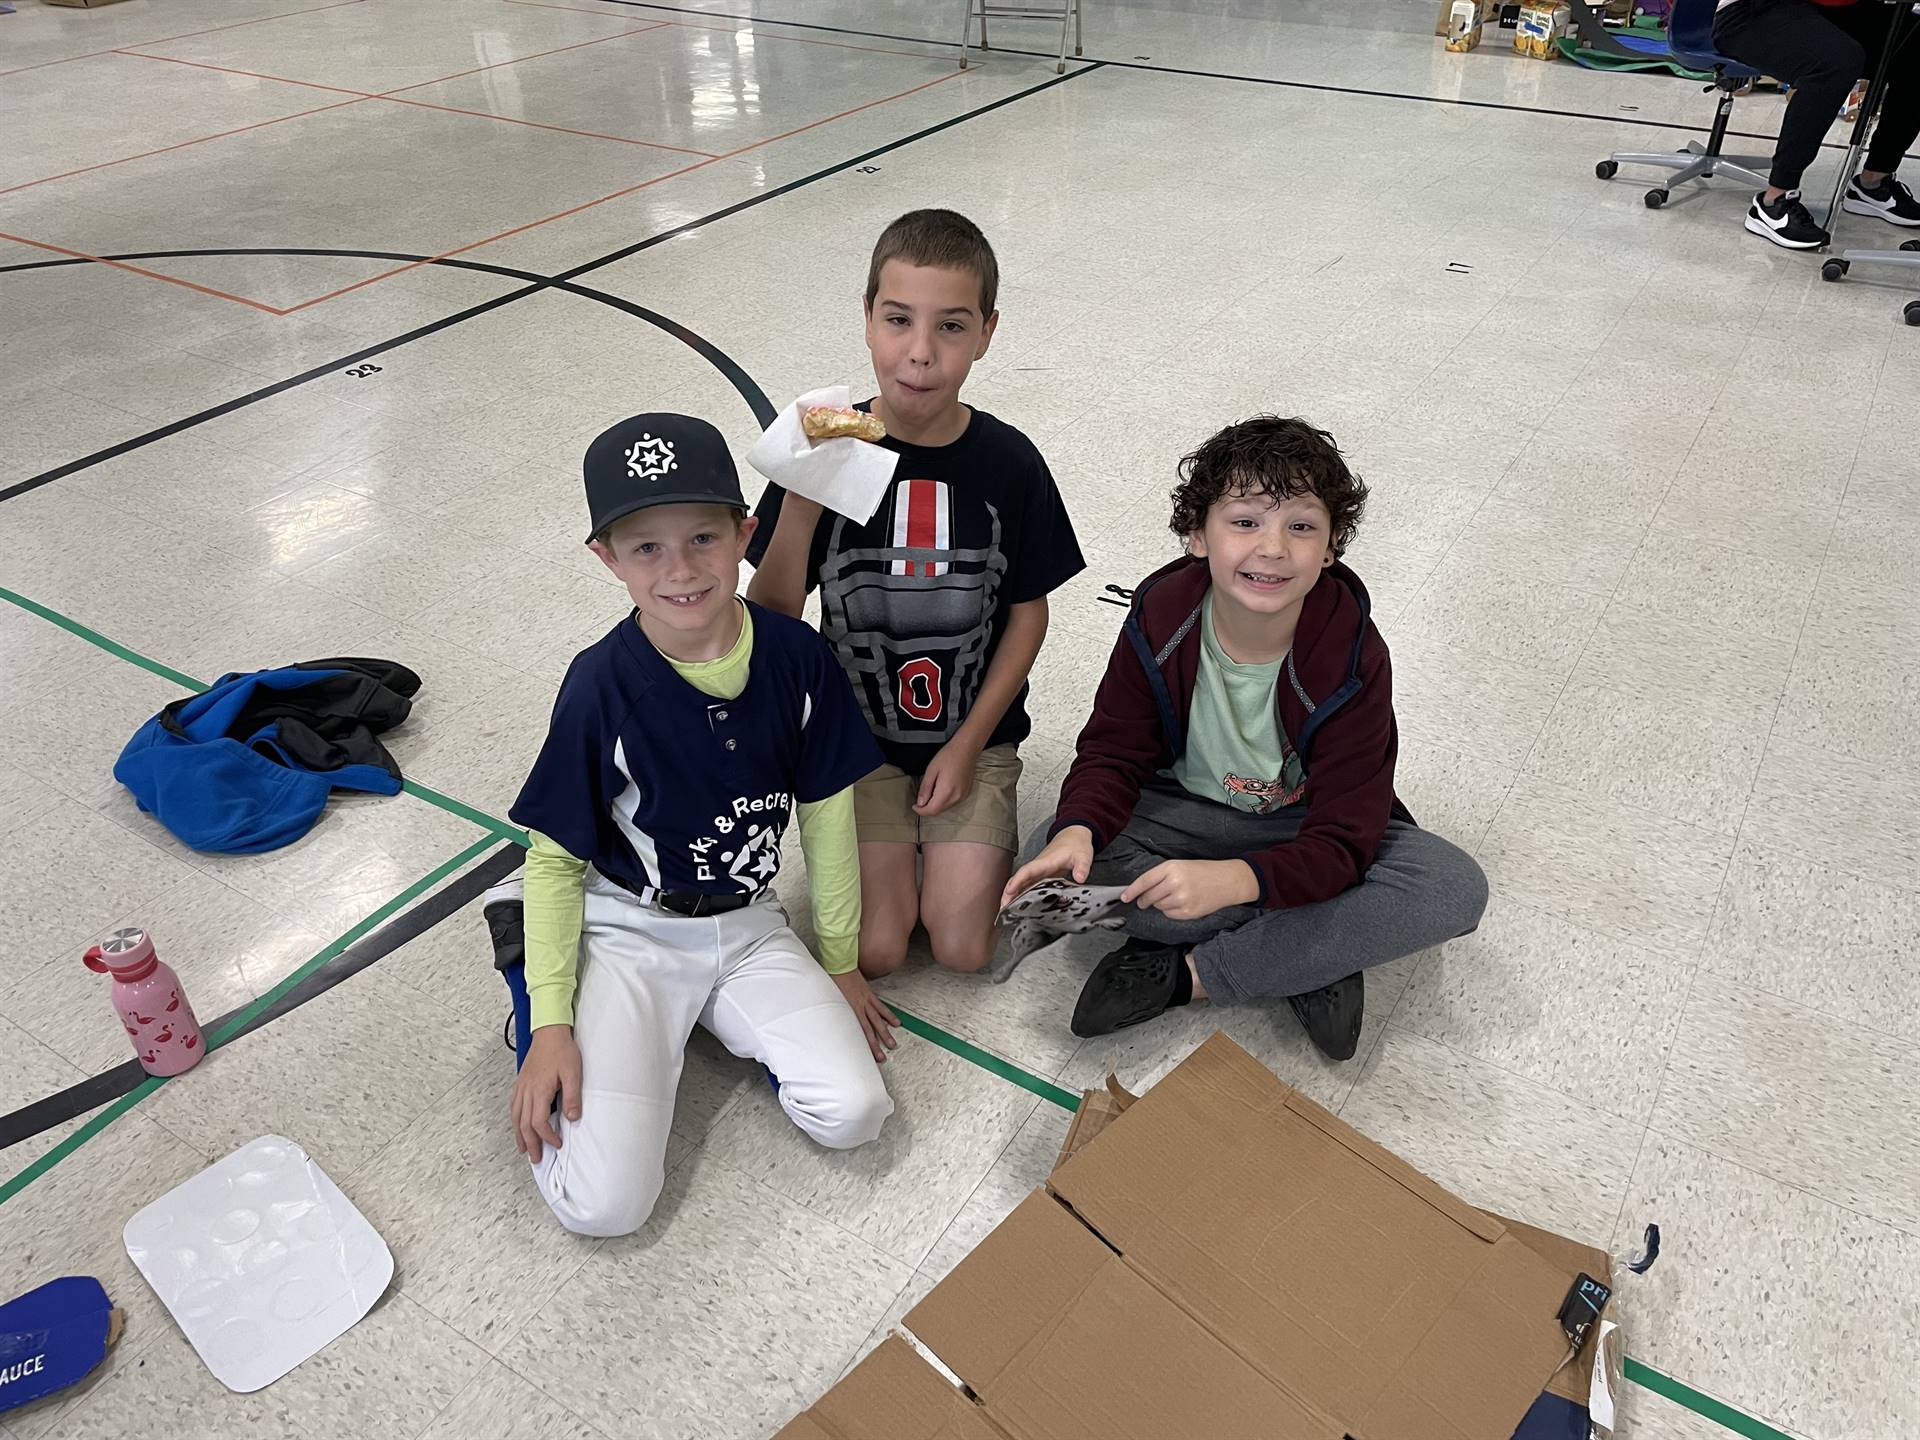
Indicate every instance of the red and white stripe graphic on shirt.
{"type": "Point", "coordinates": [922, 520]}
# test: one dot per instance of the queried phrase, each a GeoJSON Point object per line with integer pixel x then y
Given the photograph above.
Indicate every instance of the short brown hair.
{"type": "Point", "coordinates": [944, 238]}
{"type": "Point", "coordinates": [1282, 459]}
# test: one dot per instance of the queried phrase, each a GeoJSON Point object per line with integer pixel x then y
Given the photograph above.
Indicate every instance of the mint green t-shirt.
{"type": "Point", "coordinates": [1236, 753]}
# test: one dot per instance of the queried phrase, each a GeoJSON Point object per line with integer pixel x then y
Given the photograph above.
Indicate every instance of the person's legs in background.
{"type": "Point", "coordinates": [966, 855]}
{"type": "Point", "coordinates": [889, 904]}
{"type": "Point", "coordinates": [1875, 191]}
{"type": "Point", "coordinates": [1801, 44]}
{"type": "Point", "coordinates": [960, 889]}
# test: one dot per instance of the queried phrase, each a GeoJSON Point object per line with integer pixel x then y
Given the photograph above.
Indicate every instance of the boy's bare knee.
{"type": "Point", "coordinates": [876, 964]}
{"type": "Point", "coordinates": [884, 937]}
{"type": "Point", "coordinates": [967, 952]}
{"type": "Point", "coordinates": [883, 951]}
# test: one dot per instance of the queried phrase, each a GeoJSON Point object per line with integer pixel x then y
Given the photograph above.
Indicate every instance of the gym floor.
{"type": "Point", "coordinates": [308, 313]}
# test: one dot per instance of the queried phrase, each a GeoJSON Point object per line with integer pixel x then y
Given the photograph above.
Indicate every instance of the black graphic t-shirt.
{"type": "Point", "coordinates": [914, 601]}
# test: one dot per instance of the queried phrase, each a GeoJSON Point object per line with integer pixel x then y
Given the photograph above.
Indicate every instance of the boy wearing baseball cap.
{"type": "Point", "coordinates": [681, 746]}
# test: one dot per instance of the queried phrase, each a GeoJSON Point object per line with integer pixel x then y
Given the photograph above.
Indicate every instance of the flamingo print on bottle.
{"type": "Point", "coordinates": [153, 1008]}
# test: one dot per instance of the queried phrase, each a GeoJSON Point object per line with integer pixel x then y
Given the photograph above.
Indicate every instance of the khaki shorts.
{"type": "Point", "coordinates": [883, 806]}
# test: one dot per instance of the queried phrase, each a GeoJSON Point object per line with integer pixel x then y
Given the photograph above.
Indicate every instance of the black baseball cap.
{"type": "Point", "coordinates": [657, 459]}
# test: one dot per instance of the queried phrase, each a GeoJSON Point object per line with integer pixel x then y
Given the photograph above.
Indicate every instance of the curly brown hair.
{"type": "Point", "coordinates": [1272, 456]}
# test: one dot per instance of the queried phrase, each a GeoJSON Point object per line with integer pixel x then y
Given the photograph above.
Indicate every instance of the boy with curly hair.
{"type": "Point", "coordinates": [1236, 772]}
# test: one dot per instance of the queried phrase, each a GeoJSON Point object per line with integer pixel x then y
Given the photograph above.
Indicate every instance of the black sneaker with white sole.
{"type": "Point", "coordinates": [1785, 222]}
{"type": "Point", "coordinates": [1889, 201]}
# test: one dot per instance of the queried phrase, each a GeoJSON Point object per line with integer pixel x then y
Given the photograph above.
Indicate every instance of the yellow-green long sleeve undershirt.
{"type": "Point", "coordinates": [555, 895]}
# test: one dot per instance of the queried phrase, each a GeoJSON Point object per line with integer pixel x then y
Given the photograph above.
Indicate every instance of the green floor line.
{"type": "Point", "coordinates": [94, 637]}
{"type": "Point", "coordinates": [215, 1040]}
{"type": "Point", "coordinates": [1683, 1395]}
{"type": "Point", "coordinates": [469, 813]}
{"type": "Point", "coordinates": [466, 812]}
{"type": "Point", "coordinates": [985, 1059]}
{"type": "Point", "coordinates": [1702, 1404]}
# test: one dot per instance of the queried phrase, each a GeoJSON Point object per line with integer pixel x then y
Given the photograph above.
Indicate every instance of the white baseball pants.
{"type": "Point", "coordinates": [645, 979]}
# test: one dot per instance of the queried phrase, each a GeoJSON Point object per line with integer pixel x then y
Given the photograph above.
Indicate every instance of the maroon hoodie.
{"type": "Point", "coordinates": [1335, 702]}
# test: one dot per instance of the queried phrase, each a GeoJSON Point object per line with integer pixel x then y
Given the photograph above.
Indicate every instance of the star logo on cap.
{"type": "Point", "coordinates": [649, 458]}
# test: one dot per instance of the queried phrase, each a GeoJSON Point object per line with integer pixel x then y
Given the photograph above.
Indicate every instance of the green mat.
{"type": "Point", "coordinates": [1640, 46]}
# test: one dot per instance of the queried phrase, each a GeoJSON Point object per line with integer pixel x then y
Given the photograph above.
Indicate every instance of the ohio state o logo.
{"type": "Point", "coordinates": [920, 694]}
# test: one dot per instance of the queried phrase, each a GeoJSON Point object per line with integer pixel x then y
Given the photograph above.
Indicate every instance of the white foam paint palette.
{"type": "Point", "coordinates": [261, 1260]}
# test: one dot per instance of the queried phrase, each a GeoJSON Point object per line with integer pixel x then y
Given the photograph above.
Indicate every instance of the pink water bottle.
{"type": "Point", "coordinates": [151, 1003]}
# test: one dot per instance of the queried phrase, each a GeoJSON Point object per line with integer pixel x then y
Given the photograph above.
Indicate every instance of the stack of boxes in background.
{"type": "Point", "coordinates": [1461, 22]}
{"type": "Point", "coordinates": [1537, 25]}
{"type": "Point", "coordinates": [1542, 23]}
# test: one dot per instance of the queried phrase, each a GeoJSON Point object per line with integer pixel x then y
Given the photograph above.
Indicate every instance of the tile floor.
{"type": "Point", "coordinates": [1642, 541]}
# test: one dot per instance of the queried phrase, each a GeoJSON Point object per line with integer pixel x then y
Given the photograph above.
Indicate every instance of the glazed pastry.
{"type": "Point", "coordinates": [829, 422]}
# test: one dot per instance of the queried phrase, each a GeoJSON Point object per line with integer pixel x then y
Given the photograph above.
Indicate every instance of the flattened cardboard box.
{"type": "Point", "coordinates": [1225, 1258]}
{"type": "Point", "coordinates": [892, 1395]}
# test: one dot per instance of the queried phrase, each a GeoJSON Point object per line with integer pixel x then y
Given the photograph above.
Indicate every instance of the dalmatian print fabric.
{"type": "Point", "coordinates": [1048, 910]}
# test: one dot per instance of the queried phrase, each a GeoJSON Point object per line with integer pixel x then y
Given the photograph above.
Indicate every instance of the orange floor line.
{"type": "Point", "coordinates": [743, 28]}
{"type": "Point", "coordinates": [759, 35]}
{"type": "Point", "coordinates": [577, 45]}
{"type": "Point", "coordinates": [616, 195]}
{"type": "Point", "coordinates": [200, 140]}
{"type": "Point", "coordinates": [250, 74]}
{"type": "Point", "coordinates": [397, 97]}
{"type": "Point", "coordinates": [852, 110]}
{"type": "Point", "coordinates": [542, 125]}
{"type": "Point", "coordinates": [150, 274]}
{"type": "Point", "coordinates": [575, 9]}
{"type": "Point", "coordinates": [504, 234]}
{"type": "Point", "coordinates": [169, 39]}
{"type": "Point", "coordinates": [445, 254]}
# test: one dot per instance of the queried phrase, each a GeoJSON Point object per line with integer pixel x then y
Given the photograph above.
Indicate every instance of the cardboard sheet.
{"type": "Point", "coordinates": [892, 1395]}
{"type": "Point", "coordinates": [1223, 1257]}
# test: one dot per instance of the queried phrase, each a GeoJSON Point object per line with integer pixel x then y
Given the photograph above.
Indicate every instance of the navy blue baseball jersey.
{"type": "Point", "coordinates": [658, 784]}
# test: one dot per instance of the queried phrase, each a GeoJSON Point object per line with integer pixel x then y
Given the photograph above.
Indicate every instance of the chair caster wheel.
{"type": "Point", "coordinates": [1912, 312]}
{"type": "Point", "coordinates": [1833, 269]}
{"type": "Point", "coordinates": [1607, 169]}
{"type": "Point", "coordinates": [1655, 199]}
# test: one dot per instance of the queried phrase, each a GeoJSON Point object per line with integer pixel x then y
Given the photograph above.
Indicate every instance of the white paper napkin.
{"type": "Point", "coordinates": [847, 476]}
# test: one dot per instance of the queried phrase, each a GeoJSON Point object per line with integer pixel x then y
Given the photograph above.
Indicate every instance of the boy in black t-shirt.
{"type": "Point", "coordinates": [937, 605]}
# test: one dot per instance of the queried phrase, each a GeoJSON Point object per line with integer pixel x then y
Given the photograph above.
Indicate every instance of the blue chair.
{"type": "Point", "coordinates": [1690, 38]}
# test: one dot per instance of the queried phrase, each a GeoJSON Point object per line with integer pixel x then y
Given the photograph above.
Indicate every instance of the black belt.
{"type": "Point", "coordinates": [694, 905]}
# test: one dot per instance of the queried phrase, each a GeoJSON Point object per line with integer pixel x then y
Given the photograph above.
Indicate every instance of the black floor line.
{"type": "Point", "coordinates": [76, 1100]}
{"type": "Point", "coordinates": [1110, 63]}
{"type": "Point", "coordinates": [536, 285]}
{"type": "Point", "coordinates": [750, 392]}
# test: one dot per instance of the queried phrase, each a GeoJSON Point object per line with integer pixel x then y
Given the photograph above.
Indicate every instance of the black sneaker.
{"type": "Point", "coordinates": [1889, 201]}
{"type": "Point", "coordinates": [1132, 984]}
{"type": "Point", "coordinates": [1786, 222]}
{"type": "Point", "coordinates": [1332, 1016]}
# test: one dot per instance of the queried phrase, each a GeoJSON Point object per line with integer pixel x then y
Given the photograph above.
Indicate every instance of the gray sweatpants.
{"type": "Point", "coordinates": [1420, 891]}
